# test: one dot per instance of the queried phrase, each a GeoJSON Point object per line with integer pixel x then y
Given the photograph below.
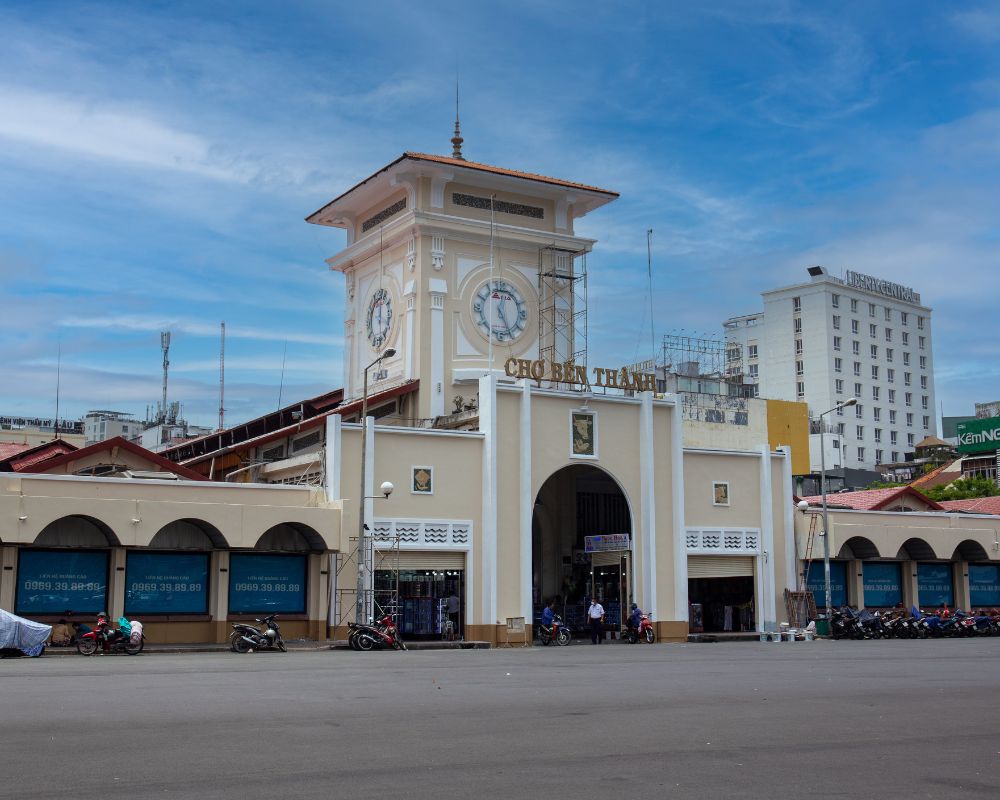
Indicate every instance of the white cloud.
{"type": "Point", "coordinates": [124, 322]}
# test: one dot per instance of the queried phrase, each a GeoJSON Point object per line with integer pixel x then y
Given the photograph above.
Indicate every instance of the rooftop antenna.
{"type": "Point", "coordinates": [58, 375]}
{"type": "Point", "coordinates": [222, 378]}
{"type": "Point", "coordinates": [281, 384]}
{"type": "Point", "coordinates": [649, 272]}
{"type": "Point", "coordinates": [456, 140]}
{"type": "Point", "coordinates": [165, 346]}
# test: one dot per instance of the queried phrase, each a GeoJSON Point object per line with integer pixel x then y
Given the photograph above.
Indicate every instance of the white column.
{"type": "Point", "coordinates": [487, 425]}
{"type": "Point", "coordinates": [765, 582]}
{"type": "Point", "coordinates": [410, 301]}
{"type": "Point", "coordinates": [350, 359]}
{"type": "Point", "coordinates": [331, 468]}
{"type": "Point", "coordinates": [647, 503]}
{"type": "Point", "coordinates": [788, 514]}
{"type": "Point", "coordinates": [677, 490]}
{"type": "Point", "coordinates": [527, 502]}
{"type": "Point", "coordinates": [370, 503]}
{"type": "Point", "coordinates": [438, 290]}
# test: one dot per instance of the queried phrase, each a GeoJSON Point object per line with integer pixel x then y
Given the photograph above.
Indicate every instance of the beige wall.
{"type": "Point", "coordinates": [742, 473]}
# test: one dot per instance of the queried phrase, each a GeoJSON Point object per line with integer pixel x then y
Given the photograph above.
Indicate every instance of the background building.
{"type": "Point", "coordinates": [829, 339]}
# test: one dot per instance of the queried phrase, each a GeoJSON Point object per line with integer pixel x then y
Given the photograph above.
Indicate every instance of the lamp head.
{"type": "Point", "coordinates": [386, 488]}
{"type": "Point", "coordinates": [389, 353]}
{"type": "Point", "coordinates": [802, 505]}
{"type": "Point", "coordinates": [851, 401]}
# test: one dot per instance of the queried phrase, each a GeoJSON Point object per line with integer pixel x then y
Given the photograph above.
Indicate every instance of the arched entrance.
{"type": "Point", "coordinates": [575, 502]}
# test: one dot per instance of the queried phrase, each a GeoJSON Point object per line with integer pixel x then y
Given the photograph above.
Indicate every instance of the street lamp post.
{"type": "Point", "coordinates": [853, 401]}
{"type": "Point", "coordinates": [361, 601]}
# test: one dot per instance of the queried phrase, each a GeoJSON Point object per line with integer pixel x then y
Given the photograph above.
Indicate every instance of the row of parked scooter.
{"type": "Point", "coordinates": [849, 623]}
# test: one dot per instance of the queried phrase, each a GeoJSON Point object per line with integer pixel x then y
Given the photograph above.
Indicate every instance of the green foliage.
{"type": "Point", "coordinates": [963, 489]}
{"type": "Point", "coordinates": [883, 485]}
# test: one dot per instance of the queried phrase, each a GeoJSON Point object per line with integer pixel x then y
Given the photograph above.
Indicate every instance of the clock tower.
{"type": "Point", "coordinates": [452, 263]}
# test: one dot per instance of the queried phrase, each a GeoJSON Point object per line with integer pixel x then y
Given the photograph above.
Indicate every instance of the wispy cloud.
{"type": "Point", "coordinates": [197, 328]}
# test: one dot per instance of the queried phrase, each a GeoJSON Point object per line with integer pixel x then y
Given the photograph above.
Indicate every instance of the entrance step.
{"type": "Point", "coordinates": [710, 638]}
{"type": "Point", "coordinates": [341, 644]}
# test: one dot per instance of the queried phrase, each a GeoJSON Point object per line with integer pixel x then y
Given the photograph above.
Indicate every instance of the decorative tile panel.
{"type": "Point", "coordinates": [730, 541]}
{"type": "Point", "coordinates": [422, 534]}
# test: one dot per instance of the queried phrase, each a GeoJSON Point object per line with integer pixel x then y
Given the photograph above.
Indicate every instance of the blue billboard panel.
{"type": "Point", "coordinates": [265, 584]}
{"type": "Point", "coordinates": [166, 583]}
{"type": "Point", "coordinates": [934, 585]}
{"type": "Point", "coordinates": [816, 583]}
{"type": "Point", "coordinates": [883, 586]}
{"type": "Point", "coordinates": [984, 584]}
{"type": "Point", "coordinates": [57, 581]}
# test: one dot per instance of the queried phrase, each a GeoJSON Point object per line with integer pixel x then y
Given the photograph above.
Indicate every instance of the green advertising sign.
{"type": "Point", "coordinates": [979, 435]}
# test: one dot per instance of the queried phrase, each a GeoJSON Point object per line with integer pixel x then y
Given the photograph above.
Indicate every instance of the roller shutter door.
{"type": "Point", "coordinates": [420, 559]}
{"type": "Point", "coordinates": [720, 566]}
{"type": "Point", "coordinates": [611, 558]}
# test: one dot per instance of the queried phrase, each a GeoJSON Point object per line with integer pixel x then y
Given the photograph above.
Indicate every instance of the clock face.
{"type": "Point", "coordinates": [379, 319]}
{"type": "Point", "coordinates": [499, 310]}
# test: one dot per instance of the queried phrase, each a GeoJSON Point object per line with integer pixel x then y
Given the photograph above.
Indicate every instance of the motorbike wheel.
{"type": "Point", "coordinates": [232, 641]}
{"type": "Point", "coordinates": [402, 644]}
{"type": "Point", "coordinates": [563, 638]}
{"type": "Point", "coordinates": [241, 645]}
{"type": "Point", "coordinates": [86, 647]}
{"type": "Point", "coordinates": [352, 640]}
{"type": "Point", "coordinates": [365, 642]}
{"type": "Point", "coordinates": [281, 646]}
{"type": "Point", "coordinates": [133, 648]}
{"type": "Point", "coordinates": [649, 636]}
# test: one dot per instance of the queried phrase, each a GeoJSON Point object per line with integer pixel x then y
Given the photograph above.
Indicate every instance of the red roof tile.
{"type": "Point", "coordinates": [974, 505]}
{"type": "Point", "coordinates": [868, 499]}
{"type": "Point", "coordinates": [8, 449]}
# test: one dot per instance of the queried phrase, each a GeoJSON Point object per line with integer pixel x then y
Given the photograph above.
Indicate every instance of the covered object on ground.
{"type": "Point", "coordinates": [22, 634]}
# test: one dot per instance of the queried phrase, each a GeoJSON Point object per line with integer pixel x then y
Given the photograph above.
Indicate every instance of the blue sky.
{"type": "Point", "coordinates": [157, 160]}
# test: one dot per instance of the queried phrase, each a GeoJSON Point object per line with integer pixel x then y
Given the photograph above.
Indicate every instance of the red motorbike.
{"type": "Point", "coordinates": [644, 631]}
{"type": "Point", "coordinates": [556, 632]}
{"type": "Point", "coordinates": [109, 640]}
{"type": "Point", "coordinates": [383, 633]}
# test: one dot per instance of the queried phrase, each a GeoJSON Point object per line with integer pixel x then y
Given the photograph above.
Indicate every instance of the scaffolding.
{"type": "Point", "coordinates": [695, 356]}
{"type": "Point", "coordinates": [378, 598]}
{"type": "Point", "coordinates": [562, 305]}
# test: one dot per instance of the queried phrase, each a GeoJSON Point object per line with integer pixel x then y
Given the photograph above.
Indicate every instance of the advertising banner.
{"type": "Point", "coordinates": [883, 587]}
{"type": "Point", "coordinates": [166, 583]}
{"type": "Point", "coordinates": [606, 543]}
{"type": "Point", "coordinates": [934, 585]}
{"type": "Point", "coordinates": [267, 584]}
{"type": "Point", "coordinates": [979, 435]}
{"type": "Point", "coordinates": [57, 581]}
{"type": "Point", "coordinates": [816, 583]}
{"type": "Point", "coordinates": [984, 584]}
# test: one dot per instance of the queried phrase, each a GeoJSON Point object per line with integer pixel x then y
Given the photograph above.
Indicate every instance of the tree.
{"type": "Point", "coordinates": [963, 489]}
{"type": "Point", "coordinates": [883, 485]}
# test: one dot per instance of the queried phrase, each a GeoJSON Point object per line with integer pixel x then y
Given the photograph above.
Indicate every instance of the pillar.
{"type": "Point", "coordinates": [909, 583]}
{"type": "Point", "coordinates": [116, 583]}
{"type": "Point", "coordinates": [218, 593]}
{"type": "Point", "coordinates": [8, 577]}
{"type": "Point", "coordinates": [960, 581]}
{"type": "Point", "coordinates": [855, 583]}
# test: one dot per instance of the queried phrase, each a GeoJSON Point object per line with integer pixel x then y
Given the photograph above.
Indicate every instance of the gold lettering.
{"type": "Point", "coordinates": [638, 381]}
{"type": "Point", "coordinates": [569, 372]}
{"type": "Point", "coordinates": [557, 375]}
{"type": "Point", "coordinates": [509, 367]}
{"type": "Point", "coordinates": [537, 370]}
{"type": "Point", "coordinates": [523, 368]}
{"type": "Point", "coordinates": [598, 376]}
{"type": "Point", "coordinates": [623, 379]}
{"type": "Point", "coordinates": [581, 376]}
{"type": "Point", "coordinates": [611, 379]}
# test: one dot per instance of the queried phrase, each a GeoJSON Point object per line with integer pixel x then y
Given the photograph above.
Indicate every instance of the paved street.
{"type": "Point", "coordinates": [845, 719]}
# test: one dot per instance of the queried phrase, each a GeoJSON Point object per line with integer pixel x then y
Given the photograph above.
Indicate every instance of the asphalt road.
{"type": "Point", "coordinates": [822, 720]}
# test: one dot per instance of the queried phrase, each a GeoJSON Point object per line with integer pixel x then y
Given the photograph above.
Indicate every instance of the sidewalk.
{"type": "Point", "coordinates": [297, 646]}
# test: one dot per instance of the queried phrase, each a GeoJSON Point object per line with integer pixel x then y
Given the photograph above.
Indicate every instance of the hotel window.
{"type": "Point", "coordinates": [860, 431]}
{"type": "Point", "coordinates": [878, 434]}
{"type": "Point", "coordinates": [856, 347]}
{"type": "Point", "coordinates": [877, 414]}
{"type": "Point", "coordinates": [892, 398]}
{"type": "Point", "coordinates": [873, 331]}
{"type": "Point", "coordinates": [840, 429]}
{"type": "Point", "coordinates": [888, 334]}
{"type": "Point", "coordinates": [890, 374]}
{"type": "Point", "coordinates": [904, 317]}
{"type": "Point", "coordinates": [906, 378]}
{"type": "Point", "coordinates": [909, 439]}
{"type": "Point", "coordinates": [838, 364]}
{"type": "Point", "coordinates": [799, 368]}
{"type": "Point", "coordinates": [798, 347]}
{"type": "Point", "coordinates": [921, 342]}
{"type": "Point", "coordinates": [857, 390]}
{"type": "Point", "coordinates": [854, 306]}
{"type": "Point", "coordinates": [908, 399]}
{"type": "Point", "coordinates": [927, 422]}
{"type": "Point", "coordinates": [752, 351]}
{"type": "Point", "coordinates": [859, 411]}
{"type": "Point", "coordinates": [874, 372]}
{"type": "Point", "coordinates": [800, 389]}
{"type": "Point", "coordinates": [888, 354]}
{"type": "Point", "coordinates": [923, 381]}
{"type": "Point", "coordinates": [796, 304]}
{"type": "Point", "coordinates": [892, 418]}
{"type": "Point", "coordinates": [906, 359]}
{"type": "Point", "coordinates": [888, 314]}
{"type": "Point", "coordinates": [923, 402]}
{"type": "Point", "coordinates": [920, 323]}
{"type": "Point", "coordinates": [836, 322]}
{"type": "Point", "coordinates": [855, 327]}
{"type": "Point", "coordinates": [857, 368]}
{"type": "Point", "coordinates": [756, 390]}
{"type": "Point", "coordinates": [836, 444]}
{"type": "Point", "coordinates": [871, 309]}
{"type": "Point", "coordinates": [836, 343]}
{"type": "Point", "coordinates": [839, 385]}
{"type": "Point", "coordinates": [875, 392]}
{"type": "Point", "coordinates": [797, 324]}
{"type": "Point", "coordinates": [861, 454]}
{"type": "Point", "coordinates": [909, 419]}
{"type": "Point", "coordinates": [906, 339]}
{"type": "Point", "coordinates": [893, 435]}
{"type": "Point", "coordinates": [874, 350]}
{"type": "Point", "coordinates": [923, 362]}
{"type": "Point", "coordinates": [895, 456]}
{"type": "Point", "coordinates": [840, 411]}
{"type": "Point", "coordinates": [835, 300]}
{"type": "Point", "coordinates": [754, 370]}
{"type": "Point", "coordinates": [878, 456]}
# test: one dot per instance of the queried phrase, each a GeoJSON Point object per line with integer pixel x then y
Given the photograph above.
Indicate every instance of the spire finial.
{"type": "Point", "coordinates": [456, 140]}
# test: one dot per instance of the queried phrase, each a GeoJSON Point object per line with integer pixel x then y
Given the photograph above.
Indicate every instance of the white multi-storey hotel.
{"type": "Point", "coordinates": [830, 339]}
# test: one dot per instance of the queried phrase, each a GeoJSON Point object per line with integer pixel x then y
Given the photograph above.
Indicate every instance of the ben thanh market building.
{"type": "Point", "coordinates": [522, 470]}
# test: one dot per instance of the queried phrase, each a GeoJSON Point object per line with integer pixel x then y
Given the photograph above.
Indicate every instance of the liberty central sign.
{"type": "Point", "coordinates": [858, 280]}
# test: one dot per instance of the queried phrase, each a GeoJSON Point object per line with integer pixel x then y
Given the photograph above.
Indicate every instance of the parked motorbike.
{"type": "Point", "coordinates": [128, 638]}
{"type": "Point", "coordinates": [246, 638]}
{"type": "Point", "coordinates": [644, 632]}
{"type": "Point", "coordinates": [380, 634]}
{"type": "Point", "coordinates": [556, 632]}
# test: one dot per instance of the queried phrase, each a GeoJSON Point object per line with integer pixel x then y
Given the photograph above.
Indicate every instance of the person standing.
{"type": "Point", "coordinates": [454, 608]}
{"type": "Point", "coordinates": [596, 615]}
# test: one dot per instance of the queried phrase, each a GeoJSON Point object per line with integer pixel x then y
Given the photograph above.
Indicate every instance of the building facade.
{"type": "Point", "coordinates": [830, 339]}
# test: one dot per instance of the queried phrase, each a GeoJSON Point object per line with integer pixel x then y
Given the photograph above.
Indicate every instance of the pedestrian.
{"type": "Point", "coordinates": [453, 608]}
{"type": "Point", "coordinates": [596, 615]}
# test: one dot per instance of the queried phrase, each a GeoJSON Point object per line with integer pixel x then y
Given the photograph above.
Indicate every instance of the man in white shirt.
{"type": "Point", "coordinates": [596, 615]}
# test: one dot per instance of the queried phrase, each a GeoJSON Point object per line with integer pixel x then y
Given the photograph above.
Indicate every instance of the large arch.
{"type": "Point", "coordinates": [77, 530]}
{"type": "Point", "coordinates": [969, 550]}
{"type": "Point", "coordinates": [859, 547]}
{"type": "Point", "coordinates": [188, 534]}
{"type": "Point", "coordinates": [291, 537]}
{"type": "Point", "coordinates": [575, 501]}
{"type": "Point", "coordinates": [916, 549]}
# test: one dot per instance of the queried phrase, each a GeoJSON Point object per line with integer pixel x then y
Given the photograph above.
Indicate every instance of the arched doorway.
{"type": "Point", "coordinates": [575, 502]}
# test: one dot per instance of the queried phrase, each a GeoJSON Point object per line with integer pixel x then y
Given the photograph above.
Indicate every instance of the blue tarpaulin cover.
{"type": "Point", "coordinates": [25, 635]}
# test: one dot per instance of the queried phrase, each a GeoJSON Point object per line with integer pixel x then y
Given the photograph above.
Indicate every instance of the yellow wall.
{"type": "Point", "coordinates": [788, 424]}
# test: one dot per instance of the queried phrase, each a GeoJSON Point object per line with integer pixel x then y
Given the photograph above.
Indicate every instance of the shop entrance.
{"type": "Point", "coordinates": [721, 594]}
{"type": "Point", "coordinates": [426, 592]}
{"type": "Point", "coordinates": [576, 502]}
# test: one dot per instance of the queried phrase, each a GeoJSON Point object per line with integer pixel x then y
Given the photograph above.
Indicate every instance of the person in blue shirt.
{"type": "Point", "coordinates": [635, 617]}
{"type": "Point", "coordinates": [548, 617]}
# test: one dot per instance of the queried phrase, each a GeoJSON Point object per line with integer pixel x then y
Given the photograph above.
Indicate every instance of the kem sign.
{"type": "Point", "coordinates": [979, 435]}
